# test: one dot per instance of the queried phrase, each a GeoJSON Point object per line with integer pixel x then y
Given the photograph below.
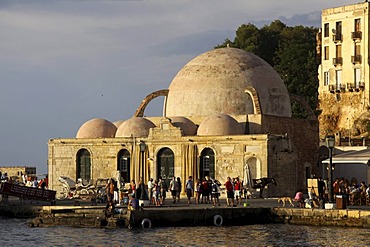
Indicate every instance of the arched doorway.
{"type": "Point", "coordinates": [207, 163]}
{"type": "Point", "coordinates": [123, 164]}
{"type": "Point", "coordinates": [254, 167]}
{"type": "Point", "coordinates": [166, 164]}
{"type": "Point", "coordinates": [83, 164]}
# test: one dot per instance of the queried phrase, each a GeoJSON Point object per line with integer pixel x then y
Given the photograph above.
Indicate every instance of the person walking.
{"type": "Point", "coordinates": [189, 188]}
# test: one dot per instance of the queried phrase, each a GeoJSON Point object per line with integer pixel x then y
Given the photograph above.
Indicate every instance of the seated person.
{"type": "Point", "coordinates": [133, 203]}
{"type": "Point", "coordinates": [109, 209]}
{"type": "Point", "coordinates": [299, 199]}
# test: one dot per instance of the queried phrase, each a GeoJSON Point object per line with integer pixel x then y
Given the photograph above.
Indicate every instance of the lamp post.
{"type": "Point", "coordinates": [330, 142]}
{"type": "Point", "coordinates": [143, 195]}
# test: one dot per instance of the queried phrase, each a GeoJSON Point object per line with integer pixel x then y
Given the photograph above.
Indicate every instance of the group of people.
{"type": "Point", "coordinates": [207, 191]}
{"type": "Point", "coordinates": [158, 188]}
{"type": "Point", "coordinates": [204, 190]}
{"type": "Point", "coordinates": [29, 181]}
{"type": "Point", "coordinates": [353, 192]}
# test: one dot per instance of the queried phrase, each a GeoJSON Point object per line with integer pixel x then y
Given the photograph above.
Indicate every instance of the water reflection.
{"type": "Point", "coordinates": [15, 232]}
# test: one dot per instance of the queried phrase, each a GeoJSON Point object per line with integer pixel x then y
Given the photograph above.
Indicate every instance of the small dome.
{"type": "Point", "coordinates": [118, 123]}
{"type": "Point", "coordinates": [187, 126]}
{"type": "Point", "coordinates": [136, 127]}
{"type": "Point", "coordinates": [97, 128]}
{"type": "Point", "coordinates": [218, 125]}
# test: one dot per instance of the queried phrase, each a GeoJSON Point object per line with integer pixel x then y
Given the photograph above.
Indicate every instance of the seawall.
{"type": "Point", "coordinates": [94, 216]}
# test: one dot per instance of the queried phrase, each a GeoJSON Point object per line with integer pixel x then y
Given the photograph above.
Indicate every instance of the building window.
{"type": "Point", "coordinates": [357, 77]}
{"type": "Point", "coordinates": [338, 51]}
{"type": "Point", "coordinates": [337, 37]}
{"type": "Point", "coordinates": [357, 25]}
{"type": "Point", "coordinates": [326, 30]}
{"type": "Point", "coordinates": [326, 78]}
{"type": "Point", "coordinates": [357, 57]}
{"type": "Point", "coordinates": [338, 28]}
{"type": "Point", "coordinates": [123, 164]}
{"type": "Point", "coordinates": [207, 163]}
{"type": "Point", "coordinates": [357, 50]}
{"type": "Point", "coordinates": [326, 52]}
{"type": "Point", "coordinates": [338, 78]}
{"type": "Point", "coordinates": [83, 164]}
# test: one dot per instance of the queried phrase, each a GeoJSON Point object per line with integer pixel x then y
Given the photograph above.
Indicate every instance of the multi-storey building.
{"type": "Point", "coordinates": [343, 47]}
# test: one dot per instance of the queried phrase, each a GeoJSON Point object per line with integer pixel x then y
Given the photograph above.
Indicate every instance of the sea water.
{"type": "Point", "coordinates": [15, 232]}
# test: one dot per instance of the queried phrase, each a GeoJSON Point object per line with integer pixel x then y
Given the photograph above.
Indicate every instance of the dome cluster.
{"type": "Point", "coordinates": [214, 86]}
{"type": "Point", "coordinates": [216, 125]}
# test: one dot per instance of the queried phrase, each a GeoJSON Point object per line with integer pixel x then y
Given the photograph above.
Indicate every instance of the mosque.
{"type": "Point", "coordinates": [225, 113]}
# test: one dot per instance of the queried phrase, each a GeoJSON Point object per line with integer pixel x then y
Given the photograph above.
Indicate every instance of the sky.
{"type": "Point", "coordinates": [64, 62]}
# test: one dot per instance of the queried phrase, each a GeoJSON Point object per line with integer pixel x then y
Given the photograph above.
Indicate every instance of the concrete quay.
{"type": "Point", "coordinates": [259, 211]}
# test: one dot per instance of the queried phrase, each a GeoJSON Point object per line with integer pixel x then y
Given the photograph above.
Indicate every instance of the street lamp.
{"type": "Point", "coordinates": [330, 142]}
{"type": "Point", "coordinates": [143, 195]}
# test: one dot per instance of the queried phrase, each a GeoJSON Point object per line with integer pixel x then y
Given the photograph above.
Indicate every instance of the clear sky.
{"type": "Point", "coordinates": [64, 62]}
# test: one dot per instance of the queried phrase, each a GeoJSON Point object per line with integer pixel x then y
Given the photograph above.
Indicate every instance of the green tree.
{"type": "Point", "coordinates": [290, 50]}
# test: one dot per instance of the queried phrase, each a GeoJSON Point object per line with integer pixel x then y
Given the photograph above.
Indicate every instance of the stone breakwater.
{"type": "Point", "coordinates": [324, 217]}
{"type": "Point", "coordinates": [181, 215]}
{"type": "Point", "coordinates": [165, 217]}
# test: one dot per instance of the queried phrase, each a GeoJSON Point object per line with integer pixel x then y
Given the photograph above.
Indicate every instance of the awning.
{"type": "Point", "coordinates": [351, 157]}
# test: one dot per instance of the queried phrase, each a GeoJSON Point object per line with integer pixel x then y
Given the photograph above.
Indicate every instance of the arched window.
{"type": "Point", "coordinates": [83, 164]}
{"type": "Point", "coordinates": [123, 164]}
{"type": "Point", "coordinates": [207, 163]}
{"type": "Point", "coordinates": [166, 164]}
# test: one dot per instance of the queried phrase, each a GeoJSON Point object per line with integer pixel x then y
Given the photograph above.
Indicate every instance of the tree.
{"type": "Point", "coordinates": [290, 50]}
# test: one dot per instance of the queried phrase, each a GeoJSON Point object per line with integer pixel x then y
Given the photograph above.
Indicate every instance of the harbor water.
{"type": "Point", "coordinates": [15, 232]}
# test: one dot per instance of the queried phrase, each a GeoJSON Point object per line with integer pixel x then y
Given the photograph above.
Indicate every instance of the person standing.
{"type": "Point", "coordinates": [321, 188]}
{"type": "Point", "coordinates": [237, 188]}
{"type": "Point", "coordinates": [109, 190]}
{"type": "Point", "coordinates": [173, 189]}
{"type": "Point", "coordinates": [197, 190]}
{"type": "Point", "coordinates": [132, 190]}
{"type": "Point", "coordinates": [205, 191]}
{"type": "Point", "coordinates": [209, 184]}
{"type": "Point", "coordinates": [229, 193]}
{"type": "Point", "coordinates": [150, 190]}
{"type": "Point", "coordinates": [189, 188]}
{"type": "Point", "coordinates": [179, 189]}
{"type": "Point", "coordinates": [215, 193]}
{"type": "Point", "coordinates": [163, 189]}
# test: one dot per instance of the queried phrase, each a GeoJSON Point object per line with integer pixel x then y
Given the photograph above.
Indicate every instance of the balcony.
{"type": "Point", "coordinates": [337, 37]}
{"type": "Point", "coordinates": [350, 86]}
{"type": "Point", "coordinates": [337, 61]}
{"type": "Point", "coordinates": [361, 85]}
{"type": "Point", "coordinates": [356, 35]}
{"type": "Point", "coordinates": [332, 88]}
{"type": "Point", "coordinates": [341, 88]}
{"type": "Point", "coordinates": [356, 59]}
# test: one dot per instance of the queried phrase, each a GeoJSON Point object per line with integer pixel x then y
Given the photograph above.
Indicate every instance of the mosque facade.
{"type": "Point", "coordinates": [225, 113]}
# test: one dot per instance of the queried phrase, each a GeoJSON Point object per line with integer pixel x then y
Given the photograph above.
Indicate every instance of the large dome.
{"type": "Point", "coordinates": [135, 127]}
{"type": "Point", "coordinates": [97, 128]}
{"type": "Point", "coordinates": [215, 82]}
